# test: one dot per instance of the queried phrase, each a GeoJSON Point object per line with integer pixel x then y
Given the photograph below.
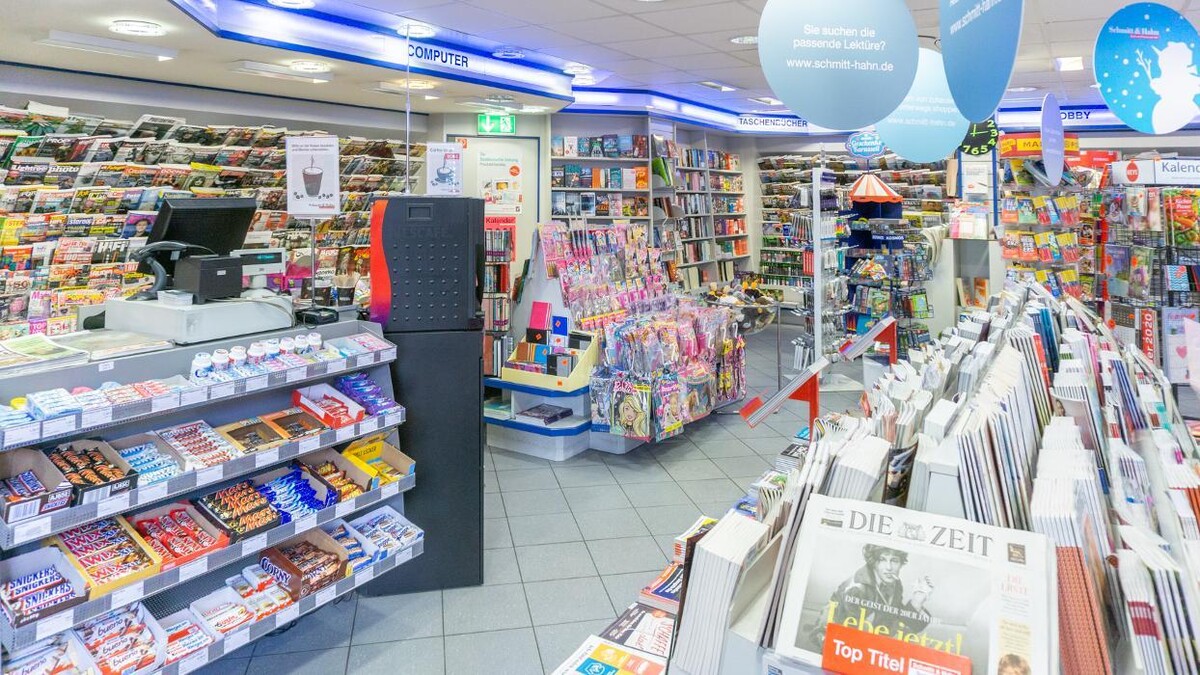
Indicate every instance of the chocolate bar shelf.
{"type": "Point", "coordinates": [17, 638]}
{"type": "Point", "coordinates": [73, 425]}
{"type": "Point", "coordinates": [33, 529]}
{"type": "Point", "coordinates": [243, 636]}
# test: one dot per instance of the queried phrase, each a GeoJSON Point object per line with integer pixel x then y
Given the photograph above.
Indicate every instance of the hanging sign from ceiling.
{"type": "Point", "coordinates": [927, 127]}
{"type": "Point", "coordinates": [1146, 63]}
{"type": "Point", "coordinates": [979, 46]}
{"type": "Point", "coordinates": [840, 65]}
{"type": "Point", "coordinates": [1053, 139]}
{"type": "Point", "coordinates": [865, 144]}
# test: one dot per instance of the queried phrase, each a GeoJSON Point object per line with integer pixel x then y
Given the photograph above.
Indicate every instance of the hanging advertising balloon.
{"type": "Point", "coordinates": [979, 46]}
{"type": "Point", "coordinates": [841, 64]}
{"type": "Point", "coordinates": [927, 127]}
{"type": "Point", "coordinates": [1054, 139]}
{"type": "Point", "coordinates": [1146, 64]}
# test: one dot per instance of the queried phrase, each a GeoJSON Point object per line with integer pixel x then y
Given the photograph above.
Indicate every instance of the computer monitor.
{"type": "Point", "coordinates": [218, 224]}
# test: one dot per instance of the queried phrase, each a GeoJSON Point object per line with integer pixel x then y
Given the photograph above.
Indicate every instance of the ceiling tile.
{"type": "Point", "coordinates": [644, 6]}
{"type": "Point", "coordinates": [719, 40]}
{"type": "Point", "coordinates": [633, 67]}
{"type": "Point", "coordinates": [673, 45]}
{"type": "Point", "coordinates": [686, 21]}
{"type": "Point", "coordinates": [1057, 10]}
{"type": "Point", "coordinates": [390, 6]}
{"type": "Point", "coordinates": [668, 76]}
{"type": "Point", "coordinates": [472, 20]}
{"type": "Point", "coordinates": [611, 28]}
{"type": "Point", "coordinates": [545, 11]}
{"type": "Point", "coordinates": [534, 38]}
{"type": "Point", "coordinates": [1075, 30]}
{"type": "Point", "coordinates": [593, 55]}
{"type": "Point", "coordinates": [703, 61]}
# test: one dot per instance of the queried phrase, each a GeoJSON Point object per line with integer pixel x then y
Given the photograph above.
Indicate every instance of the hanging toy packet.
{"type": "Point", "coordinates": [668, 406]}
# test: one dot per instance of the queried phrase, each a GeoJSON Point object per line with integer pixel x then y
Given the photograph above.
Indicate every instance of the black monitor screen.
{"type": "Point", "coordinates": [219, 225]}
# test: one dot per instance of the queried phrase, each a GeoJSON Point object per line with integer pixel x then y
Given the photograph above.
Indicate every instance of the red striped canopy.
{"type": "Point", "coordinates": [870, 188]}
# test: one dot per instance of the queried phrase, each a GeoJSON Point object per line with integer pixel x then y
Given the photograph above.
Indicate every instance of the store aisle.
{"type": "Point", "coordinates": [569, 544]}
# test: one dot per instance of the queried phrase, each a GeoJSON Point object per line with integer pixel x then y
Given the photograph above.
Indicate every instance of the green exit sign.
{"type": "Point", "coordinates": [497, 125]}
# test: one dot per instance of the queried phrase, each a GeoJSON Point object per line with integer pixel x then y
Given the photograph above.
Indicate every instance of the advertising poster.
{"type": "Point", "coordinates": [978, 32]}
{"type": "Point", "coordinates": [443, 175]}
{"type": "Point", "coordinates": [927, 126]}
{"type": "Point", "coordinates": [313, 180]}
{"type": "Point", "coordinates": [500, 183]}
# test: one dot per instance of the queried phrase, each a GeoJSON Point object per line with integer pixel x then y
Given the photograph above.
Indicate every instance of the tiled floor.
{"type": "Point", "coordinates": [568, 546]}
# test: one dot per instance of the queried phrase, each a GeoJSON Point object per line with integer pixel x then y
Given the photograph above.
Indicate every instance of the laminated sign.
{"type": "Point", "coordinates": [313, 177]}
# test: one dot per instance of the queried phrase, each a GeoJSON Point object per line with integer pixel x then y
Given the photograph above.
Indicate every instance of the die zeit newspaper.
{"type": "Point", "coordinates": [968, 589]}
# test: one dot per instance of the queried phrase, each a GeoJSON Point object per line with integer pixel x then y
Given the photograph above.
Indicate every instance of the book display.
{"type": "Point", "coordinates": [599, 175]}
{"type": "Point", "coordinates": [886, 274]}
{"type": "Point", "coordinates": [79, 201]}
{"type": "Point", "coordinates": [500, 248]}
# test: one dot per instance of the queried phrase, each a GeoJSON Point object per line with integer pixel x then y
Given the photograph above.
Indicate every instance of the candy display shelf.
{"type": "Point", "coordinates": [17, 638]}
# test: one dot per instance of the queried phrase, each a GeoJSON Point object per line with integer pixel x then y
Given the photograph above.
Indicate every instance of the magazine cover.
{"type": "Point", "coordinates": [643, 628]}
{"type": "Point", "coordinates": [1141, 266]}
{"type": "Point", "coordinates": [1175, 351]}
{"type": "Point", "coordinates": [967, 589]}
{"type": "Point", "coordinates": [1116, 265]}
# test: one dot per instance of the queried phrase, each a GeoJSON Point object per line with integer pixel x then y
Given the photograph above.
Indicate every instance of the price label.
{"type": "Point", "coordinates": [161, 403]}
{"type": "Point", "coordinates": [368, 425]}
{"type": "Point", "coordinates": [310, 444]}
{"type": "Point", "coordinates": [297, 374]}
{"type": "Point", "coordinates": [254, 384]}
{"type": "Point", "coordinates": [59, 425]}
{"type": "Point", "coordinates": [193, 662]}
{"type": "Point", "coordinates": [236, 640]}
{"type": "Point", "coordinates": [34, 529]}
{"type": "Point", "coordinates": [391, 489]}
{"type": "Point", "coordinates": [254, 544]}
{"type": "Point", "coordinates": [193, 569]}
{"type": "Point", "coordinates": [221, 390]}
{"type": "Point", "coordinates": [287, 614]}
{"type": "Point", "coordinates": [128, 594]}
{"type": "Point", "coordinates": [193, 396]}
{"type": "Point", "coordinates": [343, 508]}
{"type": "Point", "coordinates": [266, 457]}
{"type": "Point", "coordinates": [55, 624]}
{"type": "Point", "coordinates": [306, 523]}
{"type": "Point", "coordinates": [344, 434]}
{"type": "Point", "coordinates": [105, 366]}
{"type": "Point", "coordinates": [326, 595]}
{"type": "Point", "coordinates": [367, 574]}
{"type": "Point", "coordinates": [26, 433]}
{"type": "Point", "coordinates": [94, 418]}
{"type": "Point", "coordinates": [152, 493]}
{"type": "Point", "coordinates": [365, 359]}
{"type": "Point", "coordinates": [113, 505]}
{"type": "Point", "coordinates": [394, 418]}
{"type": "Point", "coordinates": [210, 475]}
{"type": "Point", "coordinates": [388, 354]}
{"type": "Point", "coordinates": [335, 366]}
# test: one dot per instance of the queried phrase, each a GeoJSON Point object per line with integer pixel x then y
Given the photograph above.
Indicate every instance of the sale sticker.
{"type": "Point", "coordinates": [849, 650]}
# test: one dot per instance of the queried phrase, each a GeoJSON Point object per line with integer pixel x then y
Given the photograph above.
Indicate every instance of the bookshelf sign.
{"type": "Point", "coordinates": [927, 126]}
{"type": "Point", "coordinates": [491, 124]}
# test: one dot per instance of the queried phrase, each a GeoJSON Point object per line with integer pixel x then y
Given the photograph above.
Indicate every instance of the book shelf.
{"type": "Point", "coordinates": [497, 292]}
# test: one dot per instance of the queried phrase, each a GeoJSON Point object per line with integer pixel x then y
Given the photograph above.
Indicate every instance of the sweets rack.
{"type": "Point", "coordinates": [174, 589]}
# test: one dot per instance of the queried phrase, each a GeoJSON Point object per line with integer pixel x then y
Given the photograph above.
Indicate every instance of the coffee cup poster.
{"type": "Point", "coordinates": [313, 183]}
{"type": "Point", "coordinates": [500, 183]}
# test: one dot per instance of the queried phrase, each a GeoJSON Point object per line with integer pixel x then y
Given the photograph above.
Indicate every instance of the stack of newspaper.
{"type": "Point", "coordinates": [35, 353]}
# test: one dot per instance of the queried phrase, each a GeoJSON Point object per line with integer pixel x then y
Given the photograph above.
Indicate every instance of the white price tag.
{"type": "Point", "coordinates": [306, 523]}
{"type": "Point", "coordinates": [236, 640]}
{"type": "Point", "coordinates": [266, 457]}
{"type": "Point", "coordinates": [59, 425]}
{"type": "Point", "coordinates": [340, 510]}
{"type": "Point", "coordinates": [152, 493]}
{"type": "Point", "coordinates": [289, 613]}
{"type": "Point", "coordinates": [336, 366]}
{"type": "Point", "coordinates": [55, 624]}
{"type": "Point", "coordinates": [193, 569]}
{"type": "Point", "coordinates": [367, 574]}
{"type": "Point", "coordinates": [94, 418]}
{"type": "Point", "coordinates": [254, 384]}
{"type": "Point", "coordinates": [221, 390]}
{"type": "Point", "coordinates": [105, 366]}
{"type": "Point", "coordinates": [388, 354]}
{"type": "Point", "coordinates": [344, 434]}
{"type": "Point", "coordinates": [128, 594]}
{"type": "Point", "coordinates": [393, 419]}
{"type": "Point", "coordinates": [368, 425]}
{"type": "Point", "coordinates": [113, 505]}
{"type": "Point", "coordinates": [210, 475]}
{"type": "Point", "coordinates": [193, 662]}
{"type": "Point", "coordinates": [297, 374]}
{"type": "Point", "coordinates": [254, 544]}
{"type": "Point", "coordinates": [34, 529]}
{"type": "Point", "coordinates": [26, 433]}
{"type": "Point", "coordinates": [310, 444]}
{"type": "Point", "coordinates": [391, 489]}
{"type": "Point", "coordinates": [161, 403]}
{"type": "Point", "coordinates": [326, 595]}
{"type": "Point", "coordinates": [364, 359]}
{"type": "Point", "coordinates": [193, 396]}
{"type": "Point", "coordinates": [404, 556]}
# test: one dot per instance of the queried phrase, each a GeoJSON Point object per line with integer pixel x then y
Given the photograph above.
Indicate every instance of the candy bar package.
{"type": "Point", "coordinates": [38, 584]}
{"type": "Point", "coordinates": [179, 533]}
{"type": "Point", "coordinates": [387, 530]}
{"type": "Point", "coordinates": [361, 389]}
{"type": "Point", "coordinates": [30, 485]}
{"type": "Point", "coordinates": [151, 457]}
{"type": "Point", "coordinates": [125, 641]}
{"type": "Point", "coordinates": [305, 563]}
{"type": "Point", "coordinates": [668, 406]}
{"type": "Point", "coordinates": [240, 510]}
{"type": "Point", "coordinates": [631, 412]}
{"type": "Point", "coordinates": [251, 435]}
{"type": "Point", "coordinates": [62, 653]}
{"type": "Point", "coordinates": [94, 469]}
{"type": "Point", "coordinates": [199, 444]}
{"type": "Point", "coordinates": [186, 634]}
{"type": "Point", "coordinates": [601, 398]}
{"type": "Point", "coordinates": [295, 492]}
{"type": "Point", "coordinates": [293, 423]}
{"type": "Point", "coordinates": [108, 553]}
{"type": "Point", "coordinates": [262, 595]}
{"type": "Point", "coordinates": [381, 461]}
{"type": "Point", "coordinates": [360, 551]}
{"type": "Point", "coordinates": [329, 405]}
{"type": "Point", "coordinates": [347, 477]}
{"type": "Point", "coordinates": [222, 611]}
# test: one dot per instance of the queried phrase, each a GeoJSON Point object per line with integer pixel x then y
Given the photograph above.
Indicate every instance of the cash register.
{"type": "Point", "coordinates": [194, 252]}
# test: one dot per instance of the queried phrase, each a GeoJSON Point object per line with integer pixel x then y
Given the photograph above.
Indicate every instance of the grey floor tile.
{"type": "Point", "coordinates": [555, 561]}
{"type": "Point", "coordinates": [534, 502]}
{"type": "Point", "coordinates": [326, 628]}
{"type": "Point", "coordinates": [493, 505]}
{"type": "Point", "coordinates": [504, 652]}
{"type": "Point", "coordinates": [490, 483]}
{"type": "Point", "coordinates": [488, 463]}
{"type": "Point", "coordinates": [668, 519]}
{"type": "Point", "coordinates": [225, 666]}
{"type": "Point", "coordinates": [666, 544]}
{"type": "Point", "coordinates": [610, 524]}
{"type": "Point", "coordinates": [623, 589]}
{"type": "Point", "coordinates": [693, 469]}
{"type": "Point", "coordinates": [583, 476]}
{"type": "Point", "coordinates": [656, 494]}
{"type": "Point", "coordinates": [426, 656]}
{"type": "Point", "coordinates": [678, 453]}
{"type": "Point", "coordinates": [708, 430]}
{"type": "Point", "coordinates": [398, 617]}
{"type": "Point", "coordinates": [317, 661]}
{"type": "Point", "coordinates": [480, 608]}
{"type": "Point", "coordinates": [761, 445]}
{"type": "Point", "coordinates": [550, 528]}
{"type": "Point", "coordinates": [507, 460]}
{"type": "Point", "coordinates": [496, 534]}
{"type": "Point", "coordinates": [567, 600]}
{"type": "Point", "coordinates": [632, 554]}
{"type": "Point", "coordinates": [558, 642]}
{"type": "Point", "coordinates": [527, 479]}
{"type": "Point", "coordinates": [743, 469]}
{"type": "Point", "coordinates": [597, 498]}
{"type": "Point", "coordinates": [717, 489]}
{"type": "Point", "coordinates": [500, 567]}
{"type": "Point", "coordinates": [642, 472]}
{"type": "Point", "coordinates": [785, 428]}
{"type": "Point", "coordinates": [725, 448]}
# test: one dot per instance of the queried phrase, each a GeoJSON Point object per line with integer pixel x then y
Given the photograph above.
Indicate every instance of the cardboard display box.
{"type": "Point", "coordinates": [58, 489]}
{"type": "Point", "coordinates": [87, 494]}
{"type": "Point", "coordinates": [366, 450]}
{"type": "Point", "coordinates": [288, 576]}
{"type": "Point", "coordinates": [202, 521]}
{"type": "Point", "coordinates": [307, 398]}
{"type": "Point", "coordinates": [37, 561]}
{"type": "Point", "coordinates": [98, 589]}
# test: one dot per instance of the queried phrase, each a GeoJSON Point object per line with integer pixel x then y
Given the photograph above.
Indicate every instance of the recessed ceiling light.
{"type": "Point", "coordinates": [99, 45]}
{"type": "Point", "coordinates": [766, 100]}
{"type": "Point", "coordinates": [304, 66]}
{"type": "Point", "coordinates": [534, 109]}
{"type": "Point", "coordinates": [415, 29]}
{"type": "Point", "coordinates": [716, 85]}
{"type": "Point", "coordinates": [577, 69]}
{"type": "Point", "coordinates": [583, 80]}
{"type": "Point", "coordinates": [744, 40]}
{"type": "Point", "coordinates": [1020, 90]}
{"type": "Point", "coordinates": [278, 72]}
{"type": "Point", "coordinates": [509, 52]}
{"type": "Point", "coordinates": [137, 28]}
{"type": "Point", "coordinates": [398, 86]}
{"type": "Point", "coordinates": [500, 98]}
{"type": "Point", "coordinates": [293, 4]}
{"type": "Point", "coordinates": [1095, 85]}
{"type": "Point", "coordinates": [1068, 63]}
{"type": "Point", "coordinates": [431, 97]}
